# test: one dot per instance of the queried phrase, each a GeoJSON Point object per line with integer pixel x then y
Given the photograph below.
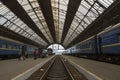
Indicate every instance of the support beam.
{"type": "Point", "coordinates": [110, 16]}
{"type": "Point", "coordinates": [5, 32]}
{"type": "Point", "coordinates": [73, 6]}
{"type": "Point", "coordinates": [17, 9]}
{"type": "Point", "coordinates": [46, 8]}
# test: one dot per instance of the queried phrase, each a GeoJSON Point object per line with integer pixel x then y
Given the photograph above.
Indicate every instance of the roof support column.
{"type": "Point", "coordinates": [73, 6]}
{"type": "Point", "coordinates": [46, 8]}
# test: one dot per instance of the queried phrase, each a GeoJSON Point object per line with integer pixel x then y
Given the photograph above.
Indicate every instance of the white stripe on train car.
{"type": "Point", "coordinates": [8, 49]}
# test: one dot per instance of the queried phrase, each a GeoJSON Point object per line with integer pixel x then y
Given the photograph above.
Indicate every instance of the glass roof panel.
{"type": "Point", "coordinates": [87, 12]}
{"type": "Point", "coordinates": [59, 8]}
{"type": "Point", "coordinates": [11, 21]}
{"type": "Point", "coordinates": [106, 3]}
{"type": "Point", "coordinates": [33, 9]}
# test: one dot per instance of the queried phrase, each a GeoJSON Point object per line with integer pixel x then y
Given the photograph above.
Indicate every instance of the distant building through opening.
{"type": "Point", "coordinates": [57, 48]}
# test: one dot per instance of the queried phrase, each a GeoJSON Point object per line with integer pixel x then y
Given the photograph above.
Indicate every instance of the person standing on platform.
{"type": "Point", "coordinates": [35, 57]}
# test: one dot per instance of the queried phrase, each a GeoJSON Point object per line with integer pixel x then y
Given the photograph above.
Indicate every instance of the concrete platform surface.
{"type": "Point", "coordinates": [12, 68]}
{"type": "Point", "coordinates": [100, 70]}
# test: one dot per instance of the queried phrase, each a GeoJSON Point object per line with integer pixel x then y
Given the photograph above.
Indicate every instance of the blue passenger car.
{"type": "Point", "coordinates": [13, 49]}
{"type": "Point", "coordinates": [104, 46]}
{"type": "Point", "coordinates": [110, 41]}
{"type": "Point", "coordinates": [8, 49]}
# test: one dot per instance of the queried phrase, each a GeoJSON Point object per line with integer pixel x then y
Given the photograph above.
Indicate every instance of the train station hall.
{"type": "Point", "coordinates": [59, 39]}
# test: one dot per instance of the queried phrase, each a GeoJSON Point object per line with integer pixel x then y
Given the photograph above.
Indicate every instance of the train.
{"type": "Point", "coordinates": [14, 49]}
{"type": "Point", "coordinates": [104, 46]}
{"type": "Point", "coordinates": [46, 52]}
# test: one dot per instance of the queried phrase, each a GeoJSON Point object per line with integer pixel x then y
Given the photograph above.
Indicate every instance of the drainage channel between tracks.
{"type": "Point", "coordinates": [57, 69]}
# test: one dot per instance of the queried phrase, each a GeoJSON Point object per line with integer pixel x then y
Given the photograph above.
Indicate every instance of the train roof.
{"type": "Point", "coordinates": [5, 38]}
{"type": "Point", "coordinates": [109, 28]}
{"type": "Point", "coordinates": [102, 32]}
{"type": "Point", "coordinates": [86, 39]}
{"type": "Point", "coordinates": [81, 42]}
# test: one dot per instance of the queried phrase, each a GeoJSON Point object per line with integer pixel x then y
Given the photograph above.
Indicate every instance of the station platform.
{"type": "Point", "coordinates": [95, 70]}
{"type": "Point", "coordinates": [13, 69]}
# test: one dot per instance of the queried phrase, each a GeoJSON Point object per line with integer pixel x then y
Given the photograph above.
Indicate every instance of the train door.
{"type": "Point", "coordinates": [100, 53]}
{"type": "Point", "coordinates": [0, 43]}
{"type": "Point", "coordinates": [119, 38]}
{"type": "Point", "coordinates": [99, 45]}
{"type": "Point", "coordinates": [23, 52]}
{"type": "Point", "coordinates": [96, 45]}
{"type": "Point", "coordinates": [3, 44]}
{"type": "Point", "coordinates": [39, 52]}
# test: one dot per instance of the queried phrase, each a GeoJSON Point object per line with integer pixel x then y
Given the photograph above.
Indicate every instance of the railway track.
{"type": "Point", "coordinates": [57, 69]}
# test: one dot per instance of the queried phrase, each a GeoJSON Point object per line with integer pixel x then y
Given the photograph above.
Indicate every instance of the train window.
{"type": "Point", "coordinates": [3, 44]}
{"type": "Point", "coordinates": [84, 46]}
{"type": "Point", "coordinates": [90, 44]}
{"type": "Point", "coordinates": [80, 46]}
{"type": "Point", "coordinates": [18, 46]}
{"type": "Point", "coordinates": [87, 45]}
{"type": "Point", "coordinates": [14, 47]}
{"type": "Point", "coordinates": [10, 46]}
{"type": "Point", "coordinates": [119, 38]}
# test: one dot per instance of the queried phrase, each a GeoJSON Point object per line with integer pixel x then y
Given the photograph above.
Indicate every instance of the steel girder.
{"type": "Point", "coordinates": [46, 8]}
{"type": "Point", "coordinates": [73, 6]}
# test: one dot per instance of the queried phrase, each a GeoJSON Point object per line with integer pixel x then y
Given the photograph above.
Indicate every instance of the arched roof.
{"type": "Point", "coordinates": [51, 21]}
